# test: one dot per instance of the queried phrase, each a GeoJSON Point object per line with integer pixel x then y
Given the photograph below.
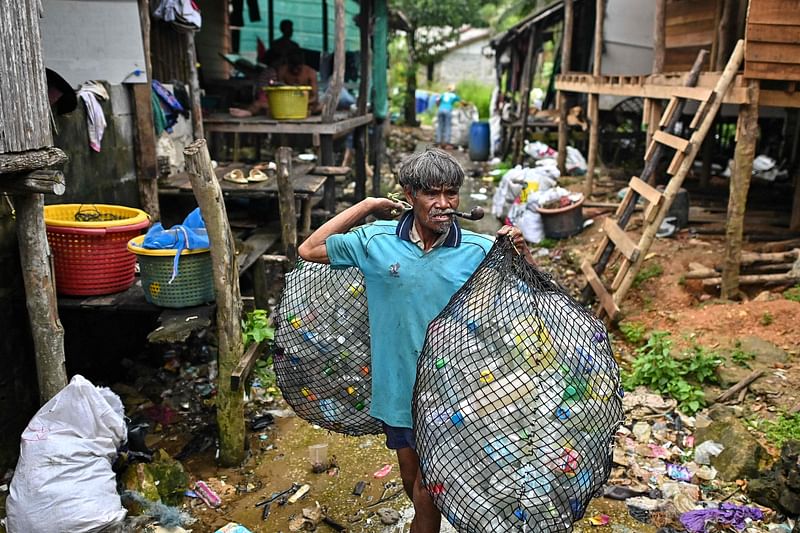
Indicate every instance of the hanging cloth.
{"type": "Point", "coordinates": [90, 92]}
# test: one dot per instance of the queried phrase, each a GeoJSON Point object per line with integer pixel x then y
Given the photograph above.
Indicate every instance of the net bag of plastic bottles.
{"type": "Point", "coordinates": [516, 402]}
{"type": "Point", "coordinates": [322, 357]}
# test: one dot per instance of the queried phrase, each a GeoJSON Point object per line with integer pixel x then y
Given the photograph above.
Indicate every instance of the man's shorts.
{"type": "Point", "coordinates": [397, 438]}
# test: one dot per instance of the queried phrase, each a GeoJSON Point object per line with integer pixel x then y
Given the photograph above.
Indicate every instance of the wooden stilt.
{"type": "Point", "coordinates": [594, 99]}
{"type": "Point", "coordinates": [286, 203]}
{"type": "Point", "coordinates": [229, 403]}
{"type": "Point", "coordinates": [194, 85]}
{"type": "Point", "coordinates": [747, 129]}
{"type": "Point", "coordinates": [525, 97]}
{"type": "Point", "coordinates": [566, 57]}
{"type": "Point", "coordinates": [147, 172]}
{"type": "Point", "coordinates": [656, 107]}
{"type": "Point", "coordinates": [40, 295]}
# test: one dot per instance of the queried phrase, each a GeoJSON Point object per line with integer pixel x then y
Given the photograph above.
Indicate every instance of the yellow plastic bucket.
{"type": "Point", "coordinates": [288, 102]}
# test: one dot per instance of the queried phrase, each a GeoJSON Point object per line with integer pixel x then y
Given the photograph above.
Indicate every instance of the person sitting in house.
{"type": "Point", "coordinates": [280, 48]}
{"type": "Point", "coordinates": [296, 72]}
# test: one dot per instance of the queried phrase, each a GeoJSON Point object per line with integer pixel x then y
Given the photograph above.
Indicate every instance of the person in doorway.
{"type": "Point", "coordinates": [444, 117]}
{"type": "Point", "coordinates": [412, 267]}
{"type": "Point", "coordinates": [281, 47]}
{"type": "Point", "coordinates": [296, 72]}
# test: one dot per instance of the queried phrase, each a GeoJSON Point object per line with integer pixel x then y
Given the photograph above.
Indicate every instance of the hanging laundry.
{"type": "Point", "coordinates": [89, 92]}
{"type": "Point", "coordinates": [170, 105]}
{"type": "Point", "coordinates": [184, 14]}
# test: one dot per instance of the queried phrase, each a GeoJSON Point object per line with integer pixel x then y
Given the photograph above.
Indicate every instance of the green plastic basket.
{"type": "Point", "coordinates": [194, 284]}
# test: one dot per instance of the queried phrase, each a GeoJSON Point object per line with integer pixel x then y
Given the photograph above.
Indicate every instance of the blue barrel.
{"type": "Point", "coordinates": [479, 141]}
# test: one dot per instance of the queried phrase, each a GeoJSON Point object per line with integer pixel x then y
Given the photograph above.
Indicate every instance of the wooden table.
{"type": "Point", "coordinates": [304, 184]}
{"type": "Point", "coordinates": [342, 123]}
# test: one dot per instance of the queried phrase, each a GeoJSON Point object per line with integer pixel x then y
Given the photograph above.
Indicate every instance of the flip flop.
{"type": "Point", "coordinates": [235, 176]}
{"type": "Point", "coordinates": [256, 176]}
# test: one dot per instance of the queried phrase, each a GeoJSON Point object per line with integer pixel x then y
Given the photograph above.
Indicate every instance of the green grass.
{"type": "Point", "coordinates": [476, 93]}
{"type": "Point", "coordinates": [633, 332]}
{"type": "Point", "coordinates": [740, 357]}
{"type": "Point", "coordinates": [785, 427]}
{"type": "Point", "coordinates": [792, 294]}
{"type": "Point", "coordinates": [651, 271]}
{"type": "Point", "coordinates": [679, 377]}
{"type": "Point", "coordinates": [767, 319]}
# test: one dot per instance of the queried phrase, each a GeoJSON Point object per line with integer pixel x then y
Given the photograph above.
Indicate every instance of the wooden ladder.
{"type": "Point", "coordinates": [616, 239]}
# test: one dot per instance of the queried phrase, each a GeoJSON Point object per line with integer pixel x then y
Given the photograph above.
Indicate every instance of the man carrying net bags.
{"type": "Point", "coordinates": [498, 392]}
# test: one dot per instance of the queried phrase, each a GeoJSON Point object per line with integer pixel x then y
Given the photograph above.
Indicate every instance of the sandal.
{"type": "Point", "coordinates": [256, 176]}
{"type": "Point", "coordinates": [235, 176]}
{"type": "Point", "coordinates": [271, 168]}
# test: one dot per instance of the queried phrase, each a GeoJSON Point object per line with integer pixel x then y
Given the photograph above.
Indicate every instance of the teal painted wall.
{"type": "Point", "coordinates": [307, 18]}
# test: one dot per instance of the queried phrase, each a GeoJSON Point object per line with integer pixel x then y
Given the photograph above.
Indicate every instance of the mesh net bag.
{"type": "Point", "coordinates": [322, 356]}
{"type": "Point", "coordinates": [516, 402]}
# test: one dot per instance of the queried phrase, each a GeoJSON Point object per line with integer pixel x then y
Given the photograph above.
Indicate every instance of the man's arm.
{"type": "Point", "coordinates": [313, 248]}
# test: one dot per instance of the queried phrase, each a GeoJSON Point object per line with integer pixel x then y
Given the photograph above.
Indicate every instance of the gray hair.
{"type": "Point", "coordinates": [430, 169]}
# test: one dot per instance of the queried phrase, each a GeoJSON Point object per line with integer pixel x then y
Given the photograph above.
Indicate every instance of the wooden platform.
{"type": "Point", "coordinates": [342, 123]}
{"type": "Point", "coordinates": [664, 86]}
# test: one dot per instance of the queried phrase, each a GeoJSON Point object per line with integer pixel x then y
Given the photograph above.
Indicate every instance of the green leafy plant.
{"type": "Point", "coordinates": [256, 327]}
{"type": "Point", "coordinates": [680, 378]}
{"type": "Point", "coordinates": [767, 319]}
{"type": "Point", "coordinates": [633, 332]}
{"type": "Point", "coordinates": [740, 357]}
{"type": "Point", "coordinates": [651, 271]}
{"type": "Point", "coordinates": [792, 294]}
{"type": "Point", "coordinates": [785, 427]}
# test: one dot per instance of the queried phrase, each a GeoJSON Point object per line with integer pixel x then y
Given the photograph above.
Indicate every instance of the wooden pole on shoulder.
{"type": "Point", "coordinates": [230, 404]}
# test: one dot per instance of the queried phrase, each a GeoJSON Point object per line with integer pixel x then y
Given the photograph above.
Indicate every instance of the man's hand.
{"type": "Point", "coordinates": [515, 234]}
{"type": "Point", "coordinates": [385, 208]}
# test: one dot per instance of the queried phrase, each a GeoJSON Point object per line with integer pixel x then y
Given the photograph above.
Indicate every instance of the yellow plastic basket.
{"type": "Point", "coordinates": [288, 101]}
{"type": "Point", "coordinates": [88, 216]}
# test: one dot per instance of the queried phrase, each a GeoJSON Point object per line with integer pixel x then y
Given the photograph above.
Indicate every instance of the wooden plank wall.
{"type": "Point", "coordinates": [690, 26]}
{"type": "Point", "coordinates": [772, 50]}
{"type": "Point", "coordinates": [24, 107]}
{"type": "Point", "coordinates": [168, 53]}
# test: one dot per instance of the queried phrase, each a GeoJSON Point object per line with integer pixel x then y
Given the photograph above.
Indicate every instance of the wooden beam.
{"type": "Point", "coordinates": [524, 96]}
{"type": "Point", "coordinates": [39, 181]}
{"type": "Point", "coordinates": [747, 138]}
{"type": "Point", "coordinates": [623, 243]}
{"type": "Point", "coordinates": [286, 203]}
{"type": "Point", "coordinates": [245, 366]}
{"type": "Point", "coordinates": [40, 295]}
{"type": "Point", "coordinates": [566, 65]}
{"type": "Point", "coordinates": [594, 99]}
{"type": "Point", "coordinates": [659, 36]}
{"type": "Point", "coordinates": [331, 97]}
{"type": "Point", "coordinates": [28, 161]}
{"type": "Point", "coordinates": [194, 86]}
{"type": "Point", "coordinates": [606, 301]}
{"type": "Point", "coordinates": [229, 403]}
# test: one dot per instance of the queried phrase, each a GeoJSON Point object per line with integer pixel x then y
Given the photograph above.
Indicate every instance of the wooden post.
{"type": "Point", "coordinates": [566, 58]}
{"type": "Point", "coordinates": [286, 203]}
{"type": "Point", "coordinates": [360, 134]}
{"type": "Point", "coordinates": [144, 131]}
{"type": "Point", "coordinates": [230, 404]}
{"type": "Point", "coordinates": [794, 223]}
{"type": "Point", "coordinates": [727, 22]}
{"type": "Point", "coordinates": [655, 107]}
{"type": "Point", "coordinates": [46, 329]}
{"type": "Point", "coordinates": [594, 99]}
{"type": "Point", "coordinates": [525, 95]}
{"type": "Point", "coordinates": [331, 97]}
{"type": "Point", "coordinates": [747, 136]}
{"type": "Point", "coordinates": [194, 85]}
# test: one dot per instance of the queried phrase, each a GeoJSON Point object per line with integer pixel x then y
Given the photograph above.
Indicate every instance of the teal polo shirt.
{"type": "Point", "coordinates": [406, 289]}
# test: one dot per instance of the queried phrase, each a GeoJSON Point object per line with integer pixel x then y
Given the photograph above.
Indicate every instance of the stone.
{"type": "Point", "coordinates": [780, 488]}
{"type": "Point", "coordinates": [170, 477]}
{"type": "Point", "coordinates": [743, 456]}
{"type": "Point", "coordinates": [763, 296]}
{"type": "Point", "coordinates": [388, 516]}
{"type": "Point", "coordinates": [139, 478]}
{"type": "Point", "coordinates": [766, 356]}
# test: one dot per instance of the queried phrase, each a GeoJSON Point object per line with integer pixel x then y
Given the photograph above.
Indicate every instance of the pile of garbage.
{"type": "Point", "coordinates": [681, 473]}
{"type": "Point", "coordinates": [522, 190]}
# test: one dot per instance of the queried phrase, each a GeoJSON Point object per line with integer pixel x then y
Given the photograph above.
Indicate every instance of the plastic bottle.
{"type": "Point", "coordinates": [495, 395]}
{"type": "Point", "coordinates": [332, 409]}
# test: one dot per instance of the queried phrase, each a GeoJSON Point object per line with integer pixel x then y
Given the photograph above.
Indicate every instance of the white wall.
{"type": "Point", "coordinates": [466, 62]}
{"type": "Point", "coordinates": [93, 40]}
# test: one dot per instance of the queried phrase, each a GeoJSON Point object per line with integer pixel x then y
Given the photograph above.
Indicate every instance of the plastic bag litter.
{"type": "Point", "coordinates": [516, 402]}
{"type": "Point", "coordinates": [704, 451]}
{"type": "Point", "coordinates": [322, 358]}
{"type": "Point", "coordinates": [63, 480]}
